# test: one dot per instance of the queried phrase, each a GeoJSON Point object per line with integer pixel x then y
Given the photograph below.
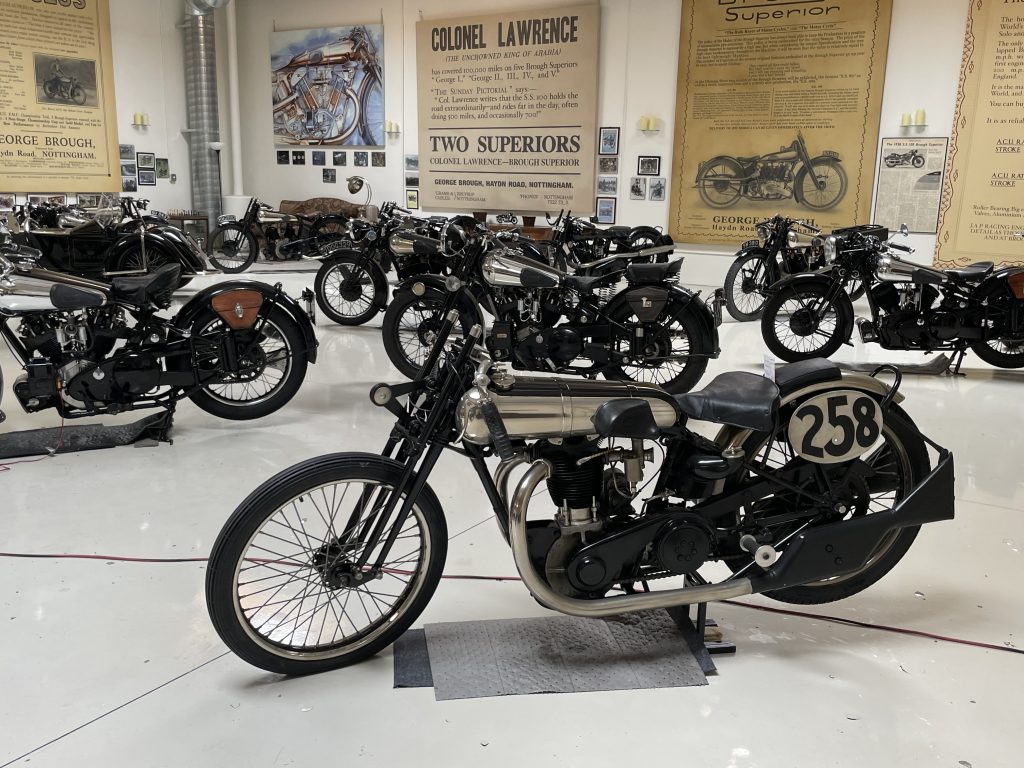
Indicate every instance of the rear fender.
{"type": "Point", "coordinates": [995, 286]}
{"type": "Point", "coordinates": [647, 301]}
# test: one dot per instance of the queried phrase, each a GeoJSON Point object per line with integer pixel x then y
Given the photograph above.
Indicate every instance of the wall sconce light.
{"type": "Point", "coordinates": [649, 124]}
{"type": "Point", "coordinates": [140, 120]}
{"type": "Point", "coordinates": [915, 120]}
{"type": "Point", "coordinates": [392, 128]}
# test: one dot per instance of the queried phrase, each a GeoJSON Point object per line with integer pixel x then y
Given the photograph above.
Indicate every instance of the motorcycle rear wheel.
{"type": "Point", "coordinates": [278, 589]}
{"type": "Point", "coordinates": [232, 248]}
{"type": "Point", "coordinates": [719, 185]}
{"type": "Point", "coordinates": [795, 329]}
{"type": "Point", "coordinates": [1002, 353]}
{"type": "Point", "coordinates": [155, 257]}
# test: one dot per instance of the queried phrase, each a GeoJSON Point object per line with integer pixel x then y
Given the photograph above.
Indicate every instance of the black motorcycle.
{"type": "Point", "coordinates": [913, 158]}
{"type": "Point", "coordinates": [234, 244]}
{"type": "Point", "coordinates": [548, 320]}
{"type": "Point", "coordinates": [238, 350]}
{"type": "Point", "coordinates": [65, 88]}
{"type": "Point", "coordinates": [913, 307]}
{"type": "Point", "coordinates": [791, 173]}
{"type": "Point", "coordinates": [582, 241]}
{"type": "Point", "coordinates": [814, 488]}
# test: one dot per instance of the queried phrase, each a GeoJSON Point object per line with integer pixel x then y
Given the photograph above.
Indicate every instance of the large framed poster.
{"type": "Point", "coordinates": [58, 119]}
{"type": "Point", "coordinates": [777, 110]}
{"type": "Point", "coordinates": [910, 183]}
{"type": "Point", "coordinates": [508, 110]}
{"type": "Point", "coordinates": [983, 196]}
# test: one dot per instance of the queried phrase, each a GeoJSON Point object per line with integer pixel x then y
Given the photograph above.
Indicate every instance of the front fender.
{"type": "Point", "coordinates": [191, 256]}
{"type": "Point", "coordinates": [467, 302]}
{"type": "Point", "coordinates": [201, 301]}
{"type": "Point", "coordinates": [821, 279]}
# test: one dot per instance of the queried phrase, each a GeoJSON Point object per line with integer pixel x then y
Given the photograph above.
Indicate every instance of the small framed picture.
{"type": "Point", "coordinates": [608, 165]}
{"type": "Point", "coordinates": [330, 176]}
{"type": "Point", "coordinates": [609, 142]}
{"type": "Point", "coordinates": [7, 201]}
{"type": "Point", "coordinates": [648, 165]}
{"type": "Point", "coordinates": [298, 157]}
{"type": "Point", "coordinates": [378, 159]}
{"type": "Point", "coordinates": [412, 179]}
{"type": "Point", "coordinates": [605, 210]}
{"type": "Point", "coordinates": [657, 189]}
{"type": "Point", "coordinates": [147, 178]}
{"type": "Point", "coordinates": [412, 199]}
{"type": "Point", "coordinates": [319, 157]}
{"type": "Point", "coordinates": [163, 168]}
{"type": "Point", "coordinates": [339, 158]}
{"type": "Point", "coordinates": [126, 151]}
{"type": "Point", "coordinates": [607, 185]}
{"type": "Point", "coordinates": [146, 160]}
{"type": "Point", "coordinates": [86, 200]}
{"type": "Point", "coordinates": [129, 184]}
{"type": "Point", "coordinates": [282, 157]}
{"type": "Point", "coordinates": [361, 159]}
{"type": "Point", "coordinates": [638, 188]}
{"type": "Point", "coordinates": [129, 169]}
{"type": "Point", "coordinates": [412, 162]}
{"type": "Point", "coordinates": [52, 199]}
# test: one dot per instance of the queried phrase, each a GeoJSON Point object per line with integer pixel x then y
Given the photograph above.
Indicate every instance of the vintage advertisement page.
{"type": "Point", "coordinates": [909, 183]}
{"type": "Point", "coordinates": [983, 196]}
{"type": "Point", "coordinates": [777, 110]}
{"type": "Point", "coordinates": [58, 125]}
{"type": "Point", "coordinates": [508, 109]}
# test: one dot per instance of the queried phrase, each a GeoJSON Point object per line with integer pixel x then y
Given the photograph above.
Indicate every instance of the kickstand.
{"type": "Point", "coordinates": [954, 364]}
{"type": "Point", "coordinates": [159, 431]}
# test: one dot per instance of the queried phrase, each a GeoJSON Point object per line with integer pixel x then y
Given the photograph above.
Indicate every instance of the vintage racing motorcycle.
{"type": "Point", "coordinates": [791, 173]}
{"type": "Point", "coordinates": [546, 319]}
{"type": "Point", "coordinates": [913, 158]}
{"type": "Point", "coordinates": [815, 486]}
{"type": "Point", "coordinates": [238, 350]}
{"type": "Point", "coordinates": [913, 306]}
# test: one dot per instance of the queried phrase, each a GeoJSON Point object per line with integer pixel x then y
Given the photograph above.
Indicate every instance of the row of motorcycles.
{"type": "Point", "coordinates": [801, 286]}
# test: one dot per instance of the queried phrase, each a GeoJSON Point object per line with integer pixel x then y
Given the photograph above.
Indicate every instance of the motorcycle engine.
{"type": "Point", "coordinates": [117, 381]}
{"type": "Point", "coordinates": [911, 317]}
{"type": "Point", "coordinates": [774, 181]}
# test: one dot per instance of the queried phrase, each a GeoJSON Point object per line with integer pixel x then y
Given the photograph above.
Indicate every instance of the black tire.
{"type": "Point", "coordinates": [787, 318]}
{"type": "Point", "coordinates": [718, 184]}
{"type": "Point", "coordinates": [78, 95]}
{"type": "Point", "coordinates": [697, 343]}
{"type": "Point", "coordinates": [232, 248]}
{"type": "Point", "coordinates": [747, 281]}
{"type": "Point", "coordinates": [835, 179]}
{"type": "Point", "coordinates": [408, 322]}
{"type": "Point", "coordinates": [270, 503]}
{"type": "Point", "coordinates": [1002, 353]}
{"type": "Point", "coordinates": [131, 259]}
{"type": "Point", "coordinates": [904, 454]}
{"type": "Point", "coordinates": [328, 228]}
{"type": "Point", "coordinates": [890, 162]}
{"type": "Point", "coordinates": [347, 291]}
{"type": "Point", "coordinates": [918, 161]}
{"type": "Point", "coordinates": [645, 237]}
{"type": "Point", "coordinates": [49, 89]}
{"type": "Point", "coordinates": [244, 396]}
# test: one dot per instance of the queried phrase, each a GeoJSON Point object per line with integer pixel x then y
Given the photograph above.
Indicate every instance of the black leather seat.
{"type": "Point", "coordinates": [653, 273]}
{"type": "Point", "coordinates": [972, 273]}
{"type": "Point", "coordinates": [587, 283]}
{"type": "Point", "coordinates": [806, 372]}
{"type": "Point", "coordinates": [737, 398]}
{"type": "Point", "coordinates": [155, 288]}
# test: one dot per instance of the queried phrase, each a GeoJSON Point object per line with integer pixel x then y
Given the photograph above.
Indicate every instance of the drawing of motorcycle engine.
{"type": "Point", "coordinates": [774, 181]}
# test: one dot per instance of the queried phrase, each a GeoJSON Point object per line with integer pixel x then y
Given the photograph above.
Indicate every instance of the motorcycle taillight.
{"type": "Point", "coordinates": [1017, 284]}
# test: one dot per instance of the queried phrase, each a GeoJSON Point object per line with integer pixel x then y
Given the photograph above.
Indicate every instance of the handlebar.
{"type": "Point", "coordinates": [904, 248]}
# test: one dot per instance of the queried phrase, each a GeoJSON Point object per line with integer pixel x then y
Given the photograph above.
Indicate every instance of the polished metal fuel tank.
{"type": "Point", "coordinates": [505, 268]}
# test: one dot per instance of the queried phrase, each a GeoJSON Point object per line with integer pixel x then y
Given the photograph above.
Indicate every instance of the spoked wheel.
{"type": "Point", "coordinates": [285, 589]}
{"type": "Point", "coordinates": [133, 261]}
{"type": "Point", "coordinates": [346, 291]}
{"type": "Point", "coordinates": [675, 348]}
{"type": "Point", "coordinates": [272, 365]}
{"type": "Point", "coordinates": [78, 95]}
{"type": "Point", "coordinates": [232, 248]}
{"type": "Point", "coordinates": [329, 228]}
{"type": "Point", "coordinates": [898, 462]}
{"type": "Point", "coordinates": [918, 161]}
{"type": "Point", "coordinates": [798, 322]}
{"type": "Point", "coordinates": [1002, 353]}
{"type": "Point", "coordinates": [719, 184]}
{"type": "Point", "coordinates": [746, 285]}
{"type": "Point", "coordinates": [410, 326]}
{"type": "Point", "coordinates": [823, 185]}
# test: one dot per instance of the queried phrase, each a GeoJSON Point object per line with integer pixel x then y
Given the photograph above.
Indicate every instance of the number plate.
{"type": "Point", "coordinates": [836, 426]}
{"type": "Point", "coordinates": [750, 244]}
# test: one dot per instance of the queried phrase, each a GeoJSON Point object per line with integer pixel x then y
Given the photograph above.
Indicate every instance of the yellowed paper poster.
{"type": "Point", "coordinates": [58, 126]}
{"type": "Point", "coordinates": [983, 196]}
{"type": "Point", "coordinates": [777, 110]}
{"type": "Point", "coordinates": [508, 110]}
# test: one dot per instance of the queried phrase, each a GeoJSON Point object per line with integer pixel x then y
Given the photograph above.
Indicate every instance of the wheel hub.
{"type": "Point", "coordinates": [803, 322]}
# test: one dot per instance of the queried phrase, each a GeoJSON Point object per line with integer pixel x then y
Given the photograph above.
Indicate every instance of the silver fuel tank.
{"type": "Point", "coordinates": [535, 407]}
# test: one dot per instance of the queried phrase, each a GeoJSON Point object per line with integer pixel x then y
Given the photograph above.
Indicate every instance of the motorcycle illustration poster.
{"type": "Point", "coordinates": [981, 208]}
{"type": "Point", "coordinates": [58, 125]}
{"type": "Point", "coordinates": [777, 111]}
{"type": "Point", "coordinates": [909, 183]}
{"type": "Point", "coordinates": [507, 110]}
{"type": "Point", "coordinates": [328, 86]}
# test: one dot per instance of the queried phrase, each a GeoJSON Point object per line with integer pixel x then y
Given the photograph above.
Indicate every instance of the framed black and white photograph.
{"type": "Point", "coordinates": [638, 188]}
{"type": "Point", "coordinates": [657, 189]}
{"type": "Point", "coordinates": [609, 142]}
{"type": "Point", "coordinates": [339, 158]}
{"type": "Point", "coordinates": [146, 160]}
{"type": "Point", "coordinates": [298, 157]}
{"type": "Point", "coordinates": [282, 157]}
{"type": "Point", "coordinates": [44, 199]}
{"type": "Point", "coordinates": [361, 159]}
{"type": "Point", "coordinates": [412, 179]}
{"type": "Point", "coordinates": [412, 199]}
{"type": "Point", "coordinates": [319, 157]}
{"type": "Point", "coordinates": [378, 159]}
{"type": "Point", "coordinates": [126, 151]}
{"type": "Point", "coordinates": [163, 168]}
{"type": "Point", "coordinates": [129, 184]}
{"type": "Point", "coordinates": [412, 162]}
{"type": "Point", "coordinates": [648, 165]}
{"type": "Point", "coordinates": [608, 165]}
{"type": "Point", "coordinates": [330, 176]}
{"type": "Point", "coordinates": [147, 178]}
{"type": "Point", "coordinates": [85, 199]}
{"type": "Point", "coordinates": [605, 210]}
{"type": "Point", "coordinates": [129, 169]}
{"type": "Point", "coordinates": [65, 81]}
{"type": "Point", "coordinates": [7, 201]}
{"type": "Point", "coordinates": [607, 185]}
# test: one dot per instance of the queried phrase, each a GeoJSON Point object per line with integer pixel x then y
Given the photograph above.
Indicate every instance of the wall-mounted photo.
{"type": "Point", "coordinates": [126, 151]}
{"type": "Point", "coordinates": [361, 159]}
{"type": "Point", "coordinates": [328, 85]}
{"type": "Point", "coordinates": [638, 188]}
{"type": "Point", "coordinates": [163, 168]}
{"type": "Point", "coordinates": [378, 159]}
{"type": "Point", "coordinates": [298, 157]}
{"type": "Point", "coordinates": [607, 165]}
{"type": "Point", "coordinates": [412, 162]}
{"type": "Point", "coordinates": [339, 158]}
{"type": "Point", "coordinates": [412, 199]}
{"type": "Point", "coordinates": [147, 178]}
{"type": "Point", "coordinates": [657, 189]}
{"type": "Point", "coordinates": [146, 159]}
{"type": "Point", "coordinates": [129, 184]}
{"type": "Point", "coordinates": [6, 201]}
{"type": "Point", "coordinates": [607, 185]}
{"type": "Point", "coordinates": [319, 157]}
{"type": "Point", "coordinates": [282, 157]}
{"type": "Point", "coordinates": [648, 165]}
{"type": "Point", "coordinates": [129, 169]}
{"type": "Point", "coordinates": [65, 81]}
{"type": "Point", "coordinates": [51, 199]}
{"type": "Point", "coordinates": [608, 143]}
{"type": "Point", "coordinates": [605, 210]}
{"type": "Point", "coordinates": [412, 179]}
{"type": "Point", "coordinates": [89, 200]}
{"type": "Point", "coordinates": [330, 176]}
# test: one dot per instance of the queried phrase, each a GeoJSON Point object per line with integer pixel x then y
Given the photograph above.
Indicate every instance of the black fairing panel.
{"type": "Point", "coordinates": [71, 297]}
{"type": "Point", "coordinates": [626, 418]}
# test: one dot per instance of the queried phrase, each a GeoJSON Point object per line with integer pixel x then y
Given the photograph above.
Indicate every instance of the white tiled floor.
{"type": "Point", "coordinates": [117, 664]}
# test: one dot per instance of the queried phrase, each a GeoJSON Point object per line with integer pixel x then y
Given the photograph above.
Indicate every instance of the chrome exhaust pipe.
{"type": "Point", "coordinates": [605, 606]}
{"type": "Point", "coordinates": [502, 473]}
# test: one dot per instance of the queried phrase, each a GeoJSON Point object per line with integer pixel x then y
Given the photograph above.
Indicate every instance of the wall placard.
{"type": "Point", "coordinates": [910, 183]}
{"type": "Point", "coordinates": [508, 110]}
{"type": "Point", "coordinates": [58, 120]}
{"type": "Point", "coordinates": [983, 195]}
{"type": "Point", "coordinates": [777, 110]}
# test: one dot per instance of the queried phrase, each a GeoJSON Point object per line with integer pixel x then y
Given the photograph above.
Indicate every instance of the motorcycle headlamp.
{"type": "Point", "coordinates": [762, 231]}
{"type": "Point", "coordinates": [792, 239]}
{"type": "Point", "coordinates": [830, 247]}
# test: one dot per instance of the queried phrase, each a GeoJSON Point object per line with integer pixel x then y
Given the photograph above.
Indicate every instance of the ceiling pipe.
{"type": "Point", "coordinates": [234, 104]}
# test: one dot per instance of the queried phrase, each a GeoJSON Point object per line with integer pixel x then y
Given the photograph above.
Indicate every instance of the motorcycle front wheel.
{"type": "Point", "coordinates": [346, 290]}
{"type": "Point", "coordinates": [746, 285]}
{"type": "Point", "coordinates": [232, 248]}
{"type": "Point", "coordinates": [78, 95]}
{"type": "Point", "coordinates": [823, 185]}
{"type": "Point", "coordinates": [797, 323]}
{"type": "Point", "coordinates": [284, 589]}
{"type": "Point", "coordinates": [409, 326]}
{"type": "Point", "coordinates": [918, 161]}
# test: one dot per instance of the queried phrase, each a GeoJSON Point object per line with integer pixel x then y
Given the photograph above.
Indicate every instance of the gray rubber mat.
{"type": "Point", "coordinates": [78, 437]}
{"type": "Point", "coordinates": [558, 654]}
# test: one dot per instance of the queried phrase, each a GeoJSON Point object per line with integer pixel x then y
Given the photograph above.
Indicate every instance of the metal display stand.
{"type": "Point", "coordinates": [942, 364]}
{"type": "Point", "coordinates": [87, 437]}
